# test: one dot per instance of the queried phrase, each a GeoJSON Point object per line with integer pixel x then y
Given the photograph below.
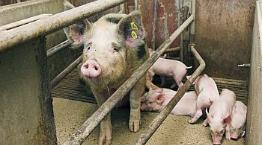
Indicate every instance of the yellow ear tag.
{"type": "Point", "coordinates": [133, 26]}
{"type": "Point", "coordinates": [133, 35]}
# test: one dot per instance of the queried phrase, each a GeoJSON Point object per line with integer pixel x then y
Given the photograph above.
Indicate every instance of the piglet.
{"type": "Point", "coordinates": [207, 92]}
{"type": "Point", "coordinates": [156, 100]}
{"type": "Point", "coordinates": [169, 68]}
{"type": "Point", "coordinates": [219, 116]}
{"type": "Point", "coordinates": [238, 119]}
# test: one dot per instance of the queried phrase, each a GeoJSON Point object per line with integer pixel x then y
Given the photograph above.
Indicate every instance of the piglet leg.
{"type": "Point", "coordinates": [228, 132]}
{"type": "Point", "coordinates": [205, 123]}
{"type": "Point", "coordinates": [197, 115]}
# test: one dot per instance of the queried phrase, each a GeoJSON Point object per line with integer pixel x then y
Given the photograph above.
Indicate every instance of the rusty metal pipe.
{"type": "Point", "coordinates": [169, 107]}
{"type": "Point", "coordinates": [53, 23]}
{"type": "Point", "coordinates": [65, 72]}
{"type": "Point", "coordinates": [89, 125]}
{"type": "Point", "coordinates": [50, 52]}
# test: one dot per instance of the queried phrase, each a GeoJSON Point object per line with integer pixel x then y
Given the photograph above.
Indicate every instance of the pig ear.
{"type": "Point", "coordinates": [227, 120]}
{"type": "Point", "coordinates": [131, 28]}
{"type": "Point", "coordinates": [75, 32]}
{"type": "Point", "coordinates": [113, 18]}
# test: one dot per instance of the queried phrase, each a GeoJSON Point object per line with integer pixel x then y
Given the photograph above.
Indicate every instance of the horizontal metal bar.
{"type": "Point", "coordinates": [23, 22]}
{"type": "Point", "coordinates": [169, 107]}
{"type": "Point", "coordinates": [65, 72]}
{"type": "Point", "coordinates": [53, 23]}
{"type": "Point", "coordinates": [89, 125]}
{"type": "Point", "coordinates": [57, 48]}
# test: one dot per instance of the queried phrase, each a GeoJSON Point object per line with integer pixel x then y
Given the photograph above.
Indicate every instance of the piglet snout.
{"type": "Point", "coordinates": [234, 136]}
{"type": "Point", "coordinates": [91, 69]}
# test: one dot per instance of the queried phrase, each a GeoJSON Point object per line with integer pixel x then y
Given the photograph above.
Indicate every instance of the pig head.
{"type": "Point", "coordinates": [114, 47]}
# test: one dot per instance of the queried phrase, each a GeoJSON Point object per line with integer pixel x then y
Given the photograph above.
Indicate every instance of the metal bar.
{"type": "Point", "coordinates": [57, 48]}
{"type": "Point", "coordinates": [168, 108]}
{"type": "Point", "coordinates": [89, 125]}
{"type": "Point", "coordinates": [65, 72]}
{"type": "Point", "coordinates": [23, 22]}
{"type": "Point", "coordinates": [53, 23]}
{"type": "Point", "coordinates": [192, 28]}
{"type": "Point", "coordinates": [172, 49]}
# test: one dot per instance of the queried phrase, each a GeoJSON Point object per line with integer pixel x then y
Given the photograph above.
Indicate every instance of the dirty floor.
{"type": "Point", "coordinates": [175, 130]}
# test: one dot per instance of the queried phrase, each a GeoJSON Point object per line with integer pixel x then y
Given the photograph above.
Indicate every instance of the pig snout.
{"type": "Point", "coordinates": [91, 69]}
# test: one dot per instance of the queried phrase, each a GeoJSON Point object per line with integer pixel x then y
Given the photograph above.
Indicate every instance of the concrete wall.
{"type": "Point", "coordinates": [223, 36]}
{"type": "Point", "coordinates": [26, 115]}
{"type": "Point", "coordinates": [254, 120]}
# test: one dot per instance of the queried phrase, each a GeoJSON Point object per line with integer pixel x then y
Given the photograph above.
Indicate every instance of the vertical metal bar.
{"type": "Point", "coordinates": [192, 28]}
{"type": "Point", "coordinates": [153, 41]}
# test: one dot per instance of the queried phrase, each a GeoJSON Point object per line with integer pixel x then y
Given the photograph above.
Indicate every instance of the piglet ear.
{"type": "Point", "coordinates": [143, 98]}
{"type": "Point", "coordinates": [227, 119]}
{"type": "Point", "coordinates": [209, 117]}
{"type": "Point", "coordinates": [75, 32]}
{"type": "Point", "coordinates": [131, 28]}
{"type": "Point", "coordinates": [160, 98]}
{"type": "Point", "coordinates": [159, 90]}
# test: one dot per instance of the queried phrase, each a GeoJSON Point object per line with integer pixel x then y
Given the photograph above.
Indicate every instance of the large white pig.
{"type": "Point", "coordinates": [156, 100]}
{"type": "Point", "coordinates": [219, 116]}
{"type": "Point", "coordinates": [207, 92]}
{"type": "Point", "coordinates": [114, 48]}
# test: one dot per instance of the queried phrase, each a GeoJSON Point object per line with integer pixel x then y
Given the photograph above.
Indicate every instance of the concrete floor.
{"type": "Point", "coordinates": [175, 130]}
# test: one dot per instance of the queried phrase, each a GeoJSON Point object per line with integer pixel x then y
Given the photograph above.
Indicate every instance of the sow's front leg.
{"type": "Point", "coordinates": [105, 135]}
{"type": "Point", "coordinates": [135, 101]}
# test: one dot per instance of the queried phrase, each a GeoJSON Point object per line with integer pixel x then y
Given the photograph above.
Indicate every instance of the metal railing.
{"type": "Point", "coordinates": [53, 23]}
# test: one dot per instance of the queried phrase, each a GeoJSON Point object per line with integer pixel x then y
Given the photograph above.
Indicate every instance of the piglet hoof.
{"type": "Point", "coordinates": [134, 125]}
{"type": "Point", "coordinates": [191, 121]}
{"type": "Point", "coordinates": [204, 124]}
{"type": "Point", "coordinates": [104, 140]}
{"type": "Point", "coordinates": [228, 136]}
{"type": "Point", "coordinates": [105, 136]}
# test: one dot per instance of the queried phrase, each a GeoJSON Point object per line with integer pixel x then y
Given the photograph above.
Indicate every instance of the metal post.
{"type": "Point", "coordinates": [89, 125]}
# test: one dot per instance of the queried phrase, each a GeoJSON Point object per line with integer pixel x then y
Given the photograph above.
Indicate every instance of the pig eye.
{"type": "Point", "coordinates": [116, 47]}
{"type": "Point", "coordinates": [88, 46]}
{"type": "Point", "coordinates": [221, 132]}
